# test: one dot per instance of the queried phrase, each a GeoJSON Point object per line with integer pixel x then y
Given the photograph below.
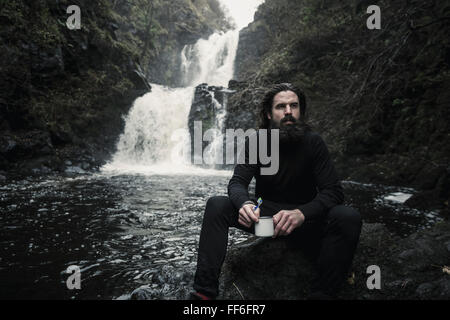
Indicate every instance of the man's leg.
{"type": "Point", "coordinates": [220, 214]}
{"type": "Point", "coordinates": [340, 239]}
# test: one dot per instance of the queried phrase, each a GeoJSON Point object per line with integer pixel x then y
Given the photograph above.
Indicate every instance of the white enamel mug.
{"type": "Point", "coordinates": [264, 227]}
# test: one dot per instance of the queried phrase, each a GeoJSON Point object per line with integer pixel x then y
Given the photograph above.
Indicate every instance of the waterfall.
{"type": "Point", "coordinates": [210, 61]}
{"type": "Point", "coordinates": [156, 137]}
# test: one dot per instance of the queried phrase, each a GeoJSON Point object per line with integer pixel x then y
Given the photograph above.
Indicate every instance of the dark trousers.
{"type": "Point", "coordinates": [329, 243]}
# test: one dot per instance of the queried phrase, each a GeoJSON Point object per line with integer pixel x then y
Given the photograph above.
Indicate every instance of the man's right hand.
{"type": "Point", "coordinates": [247, 216]}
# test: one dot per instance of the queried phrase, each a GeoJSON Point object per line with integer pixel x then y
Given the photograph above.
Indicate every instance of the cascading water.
{"type": "Point", "coordinates": [210, 61]}
{"type": "Point", "coordinates": [213, 154]}
{"type": "Point", "coordinates": [150, 126]}
{"type": "Point", "coordinates": [156, 137]}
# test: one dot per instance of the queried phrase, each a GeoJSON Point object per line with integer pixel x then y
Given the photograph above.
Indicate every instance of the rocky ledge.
{"type": "Point", "coordinates": [411, 268]}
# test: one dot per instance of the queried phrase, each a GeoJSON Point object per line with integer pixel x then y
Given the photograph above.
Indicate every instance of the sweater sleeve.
{"type": "Point", "coordinates": [239, 182]}
{"type": "Point", "coordinates": [330, 192]}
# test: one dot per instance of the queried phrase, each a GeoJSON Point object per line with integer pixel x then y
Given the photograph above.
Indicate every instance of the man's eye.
{"type": "Point", "coordinates": [294, 105]}
{"type": "Point", "coordinates": [280, 106]}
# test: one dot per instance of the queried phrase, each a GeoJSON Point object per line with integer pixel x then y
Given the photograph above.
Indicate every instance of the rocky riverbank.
{"type": "Point", "coordinates": [416, 267]}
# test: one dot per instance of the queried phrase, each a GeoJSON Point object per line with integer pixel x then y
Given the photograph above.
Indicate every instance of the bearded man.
{"type": "Point", "coordinates": [304, 199]}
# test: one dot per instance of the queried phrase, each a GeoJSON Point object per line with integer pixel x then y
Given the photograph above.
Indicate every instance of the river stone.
{"type": "Point", "coordinates": [407, 254]}
{"type": "Point", "coordinates": [268, 269]}
{"type": "Point", "coordinates": [425, 289]}
{"type": "Point", "coordinates": [74, 169]}
{"type": "Point", "coordinates": [144, 292]}
{"type": "Point", "coordinates": [265, 268]}
{"type": "Point", "coordinates": [285, 273]}
{"type": "Point", "coordinates": [205, 109]}
{"type": "Point", "coordinates": [85, 165]}
{"type": "Point", "coordinates": [444, 286]}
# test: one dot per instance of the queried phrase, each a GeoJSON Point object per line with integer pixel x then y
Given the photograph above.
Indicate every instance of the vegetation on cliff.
{"type": "Point", "coordinates": [64, 92]}
{"type": "Point", "coordinates": [158, 31]}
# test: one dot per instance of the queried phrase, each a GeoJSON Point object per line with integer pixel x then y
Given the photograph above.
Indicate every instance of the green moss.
{"type": "Point", "coordinates": [398, 102]}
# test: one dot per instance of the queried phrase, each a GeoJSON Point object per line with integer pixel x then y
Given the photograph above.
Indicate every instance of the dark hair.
{"type": "Point", "coordinates": [267, 101]}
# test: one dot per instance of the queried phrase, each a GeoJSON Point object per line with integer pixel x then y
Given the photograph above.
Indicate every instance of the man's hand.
{"type": "Point", "coordinates": [247, 216]}
{"type": "Point", "coordinates": [287, 220]}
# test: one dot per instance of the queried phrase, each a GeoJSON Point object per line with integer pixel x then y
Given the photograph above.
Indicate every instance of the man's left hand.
{"type": "Point", "coordinates": [287, 220]}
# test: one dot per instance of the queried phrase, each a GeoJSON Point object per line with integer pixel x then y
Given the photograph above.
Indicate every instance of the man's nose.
{"type": "Point", "coordinates": [288, 110]}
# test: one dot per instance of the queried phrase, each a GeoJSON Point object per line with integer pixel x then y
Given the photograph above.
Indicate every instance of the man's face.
{"type": "Point", "coordinates": [285, 107]}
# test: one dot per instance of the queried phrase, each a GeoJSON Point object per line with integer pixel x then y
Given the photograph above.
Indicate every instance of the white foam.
{"type": "Point", "coordinates": [398, 197]}
{"type": "Point", "coordinates": [161, 169]}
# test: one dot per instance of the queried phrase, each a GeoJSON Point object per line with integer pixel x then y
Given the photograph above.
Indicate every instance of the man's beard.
{"type": "Point", "coordinates": [290, 133]}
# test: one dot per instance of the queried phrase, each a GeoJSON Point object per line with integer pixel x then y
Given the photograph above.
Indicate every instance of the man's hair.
{"type": "Point", "coordinates": [267, 101]}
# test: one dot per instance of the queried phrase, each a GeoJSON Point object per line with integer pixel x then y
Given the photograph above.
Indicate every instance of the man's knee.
{"type": "Point", "coordinates": [346, 218]}
{"type": "Point", "coordinates": [345, 214]}
{"type": "Point", "coordinates": [216, 206]}
{"type": "Point", "coordinates": [217, 202]}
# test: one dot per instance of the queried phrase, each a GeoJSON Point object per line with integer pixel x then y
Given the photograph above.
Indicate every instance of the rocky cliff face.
{"type": "Point", "coordinates": [64, 92]}
{"type": "Point", "coordinates": [158, 31]}
{"type": "Point", "coordinates": [378, 97]}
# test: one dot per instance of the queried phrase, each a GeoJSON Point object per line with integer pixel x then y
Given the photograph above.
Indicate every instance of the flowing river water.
{"type": "Point", "coordinates": [137, 221]}
{"type": "Point", "coordinates": [128, 230]}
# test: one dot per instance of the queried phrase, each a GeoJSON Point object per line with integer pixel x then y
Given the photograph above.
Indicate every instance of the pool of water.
{"type": "Point", "coordinates": [128, 230]}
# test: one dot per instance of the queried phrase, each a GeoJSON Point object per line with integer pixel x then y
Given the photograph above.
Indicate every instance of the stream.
{"type": "Point", "coordinates": [128, 230]}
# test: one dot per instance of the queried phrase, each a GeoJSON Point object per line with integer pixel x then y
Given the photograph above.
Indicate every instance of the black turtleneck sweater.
{"type": "Point", "coordinates": [306, 177]}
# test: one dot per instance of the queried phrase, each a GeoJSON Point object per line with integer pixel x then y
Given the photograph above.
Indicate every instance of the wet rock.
{"type": "Point", "coordinates": [243, 106]}
{"type": "Point", "coordinates": [85, 166]}
{"type": "Point", "coordinates": [264, 269]}
{"type": "Point", "coordinates": [144, 292]}
{"type": "Point", "coordinates": [207, 104]}
{"type": "Point", "coordinates": [138, 77]}
{"type": "Point", "coordinates": [429, 176]}
{"type": "Point", "coordinates": [424, 290]}
{"type": "Point", "coordinates": [407, 254]}
{"type": "Point", "coordinates": [443, 286]}
{"type": "Point", "coordinates": [60, 136]}
{"type": "Point", "coordinates": [204, 107]}
{"type": "Point", "coordinates": [46, 62]}
{"type": "Point", "coordinates": [74, 169]}
{"type": "Point", "coordinates": [253, 42]}
{"type": "Point", "coordinates": [397, 284]}
{"type": "Point", "coordinates": [423, 200]}
{"type": "Point", "coordinates": [31, 144]}
{"type": "Point", "coordinates": [7, 144]}
{"type": "Point", "coordinates": [268, 269]}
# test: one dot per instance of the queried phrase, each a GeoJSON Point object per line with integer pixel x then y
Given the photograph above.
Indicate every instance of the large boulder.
{"type": "Point", "coordinates": [209, 102]}
{"type": "Point", "coordinates": [411, 268]}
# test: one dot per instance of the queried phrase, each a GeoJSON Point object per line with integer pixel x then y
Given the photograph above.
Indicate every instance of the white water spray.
{"type": "Point", "coordinates": [210, 61]}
